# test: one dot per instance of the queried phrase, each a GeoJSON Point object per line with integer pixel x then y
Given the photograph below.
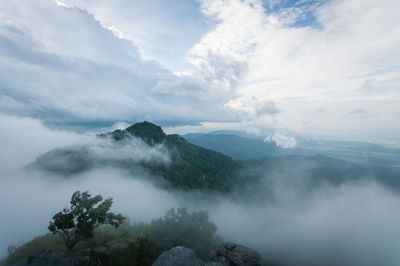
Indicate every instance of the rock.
{"type": "Point", "coordinates": [54, 257]}
{"type": "Point", "coordinates": [227, 254]}
{"type": "Point", "coordinates": [219, 261]}
{"type": "Point", "coordinates": [237, 255]}
{"type": "Point", "coordinates": [179, 256]}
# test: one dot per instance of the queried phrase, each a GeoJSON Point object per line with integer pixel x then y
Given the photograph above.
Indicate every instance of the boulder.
{"type": "Point", "coordinates": [219, 261]}
{"type": "Point", "coordinates": [237, 255]}
{"type": "Point", "coordinates": [178, 256]}
{"type": "Point", "coordinates": [227, 254]}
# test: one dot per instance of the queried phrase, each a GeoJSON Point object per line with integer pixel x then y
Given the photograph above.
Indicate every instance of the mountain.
{"type": "Point", "coordinates": [189, 167]}
{"type": "Point", "coordinates": [237, 147]}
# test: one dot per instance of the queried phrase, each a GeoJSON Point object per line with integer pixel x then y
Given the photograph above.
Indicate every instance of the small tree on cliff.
{"type": "Point", "coordinates": [85, 214]}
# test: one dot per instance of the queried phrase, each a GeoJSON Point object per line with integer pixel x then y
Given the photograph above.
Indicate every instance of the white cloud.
{"type": "Point", "coordinates": [23, 139]}
{"type": "Point", "coordinates": [254, 69]}
{"type": "Point", "coordinates": [116, 31]}
{"type": "Point", "coordinates": [68, 68]}
{"type": "Point", "coordinates": [322, 65]}
{"type": "Point", "coordinates": [282, 141]}
{"type": "Point", "coordinates": [162, 30]}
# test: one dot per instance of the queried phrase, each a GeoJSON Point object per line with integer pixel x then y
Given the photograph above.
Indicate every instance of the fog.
{"type": "Point", "coordinates": [352, 224]}
{"type": "Point", "coordinates": [349, 225]}
{"type": "Point", "coordinates": [29, 200]}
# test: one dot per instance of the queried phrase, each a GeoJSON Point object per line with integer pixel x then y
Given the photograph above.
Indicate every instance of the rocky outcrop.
{"type": "Point", "coordinates": [52, 257]}
{"type": "Point", "coordinates": [178, 256]}
{"type": "Point", "coordinates": [227, 254]}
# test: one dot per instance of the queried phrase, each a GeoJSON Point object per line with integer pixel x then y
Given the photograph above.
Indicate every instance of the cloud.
{"type": "Point", "coordinates": [162, 31]}
{"type": "Point", "coordinates": [23, 139]}
{"type": "Point", "coordinates": [116, 31]}
{"type": "Point", "coordinates": [282, 140]}
{"type": "Point", "coordinates": [309, 54]}
{"type": "Point", "coordinates": [348, 224]}
{"type": "Point", "coordinates": [96, 153]}
{"type": "Point", "coordinates": [24, 194]}
{"type": "Point", "coordinates": [360, 113]}
{"type": "Point", "coordinates": [67, 68]}
{"type": "Point", "coordinates": [293, 58]}
{"type": "Point", "coordinates": [29, 200]}
{"type": "Point", "coordinates": [266, 107]}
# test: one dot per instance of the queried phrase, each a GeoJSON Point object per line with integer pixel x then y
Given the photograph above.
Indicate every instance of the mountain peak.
{"type": "Point", "coordinates": [147, 131]}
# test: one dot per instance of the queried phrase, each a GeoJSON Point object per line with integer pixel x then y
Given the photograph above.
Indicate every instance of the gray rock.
{"type": "Point", "coordinates": [237, 255]}
{"type": "Point", "coordinates": [179, 256]}
{"type": "Point", "coordinates": [219, 261]}
{"type": "Point", "coordinates": [227, 254]}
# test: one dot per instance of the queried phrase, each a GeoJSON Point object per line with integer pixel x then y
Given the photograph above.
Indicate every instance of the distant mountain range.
{"type": "Point", "coordinates": [204, 161]}
{"type": "Point", "coordinates": [237, 147]}
{"type": "Point", "coordinates": [241, 146]}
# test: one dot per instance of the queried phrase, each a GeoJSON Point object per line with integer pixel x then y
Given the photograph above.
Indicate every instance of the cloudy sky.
{"type": "Point", "coordinates": [321, 67]}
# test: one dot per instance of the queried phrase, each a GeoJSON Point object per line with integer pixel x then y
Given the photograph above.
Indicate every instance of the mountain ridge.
{"type": "Point", "coordinates": [191, 166]}
{"type": "Point", "coordinates": [194, 167]}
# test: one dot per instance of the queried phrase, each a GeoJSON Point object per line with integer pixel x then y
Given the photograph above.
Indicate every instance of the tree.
{"type": "Point", "coordinates": [183, 228]}
{"type": "Point", "coordinates": [85, 214]}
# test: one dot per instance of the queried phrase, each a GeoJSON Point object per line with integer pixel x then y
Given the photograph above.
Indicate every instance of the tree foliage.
{"type": "Point", "coordinates": [182, 228]}
{"type": "Point", "coordinates": [77, 222]}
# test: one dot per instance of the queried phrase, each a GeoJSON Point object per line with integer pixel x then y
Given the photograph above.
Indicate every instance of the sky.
{"type": "Point", "coordinates": [279, 69]}
{"type": "Point", "coordinates": [321, 68]}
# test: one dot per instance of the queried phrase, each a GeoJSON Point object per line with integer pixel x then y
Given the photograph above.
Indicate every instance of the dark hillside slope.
{"type": "Point", "coordinates": [192, 166]}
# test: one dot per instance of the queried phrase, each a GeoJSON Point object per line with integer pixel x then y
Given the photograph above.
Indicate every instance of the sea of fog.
{"type": "Point", "coordinates": [348, 225]}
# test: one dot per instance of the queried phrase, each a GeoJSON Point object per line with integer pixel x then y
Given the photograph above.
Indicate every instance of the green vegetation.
{"type": "Point", "coordinates": [195, 168]}
{"type": "Point", "coordinates": [150, 133]}
{"type": "Point", "coordinates": [181, 228]}
{"type": "Point", "coordinates": [78, 222]}
{"type": "Point", "coordinates": [126, 251]}
{"type": "Point", "coordinates": [192, 167]}
{"type": "Point", "coordinates": [138, 244]}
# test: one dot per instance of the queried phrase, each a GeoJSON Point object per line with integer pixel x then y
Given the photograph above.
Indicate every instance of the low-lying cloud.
{"type": "Point", "coordinates": [282, 141]}
{"type": "Point", "coordinates": [347, 225]}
